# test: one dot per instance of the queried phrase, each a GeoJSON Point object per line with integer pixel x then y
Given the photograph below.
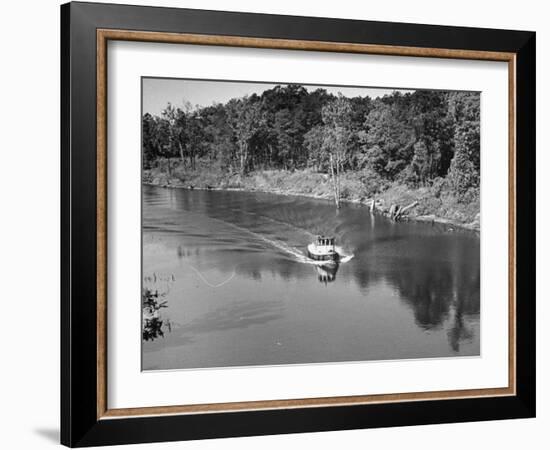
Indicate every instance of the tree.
{"type": "Point", "coordinates": [463, 174]}
{"type": "Point", "coordinates": [177, 137]}
{"type": "Point", "coordinates": [387, 139]}
{"type": "Point", "coordinates": [313, 143]}
{"type": "Point", "coordinates": [218, 135]}
{"type": "Point", "coordinates": [155, 140]}
{"type": "Point", "coordinates": [422, 163]}
{"type": "Point", "coordinates": [149, 133]}
{"type": "Point", "coordinates": [464, 112]}
{"type": "Point", "coordinates": [245, 119]}
{"type": "Point", "coordinates": [429, 118]}
{"type": "Point", "coordinates": [290, 136]}
{"type": "Point", "coordinates": [195, 137]}
{"type": "Point", "coordinates": [289, 113]}
{"type": "Point", "coordinates": [464, 170]}
{"type": "Point", "coordinates": [336, 138]}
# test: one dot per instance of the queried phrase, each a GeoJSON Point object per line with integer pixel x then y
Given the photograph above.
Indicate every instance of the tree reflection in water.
{"type": "Point", "coordinates": [441, 293]}
{"type": "Point", "coordinates": [466, 305]}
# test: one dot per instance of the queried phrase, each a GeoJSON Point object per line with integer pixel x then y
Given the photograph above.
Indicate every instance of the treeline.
{"type": "Point", "coordinates": [416, 139]}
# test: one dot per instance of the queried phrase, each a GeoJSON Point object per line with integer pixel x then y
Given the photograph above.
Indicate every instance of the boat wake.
{"type": "Point", "coordinates": [301, 257]}
{"type": "Point", "coordinates": [344, 258]}
{"type": "Point", "coordinates": [295, 253]}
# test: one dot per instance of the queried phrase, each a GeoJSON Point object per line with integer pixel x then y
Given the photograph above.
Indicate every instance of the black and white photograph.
{"type": "Point", "coordinates": [297, 224]}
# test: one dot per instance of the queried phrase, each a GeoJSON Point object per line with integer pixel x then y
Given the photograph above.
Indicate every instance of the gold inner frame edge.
{"type": "Point", "coordinates": [103, 36]}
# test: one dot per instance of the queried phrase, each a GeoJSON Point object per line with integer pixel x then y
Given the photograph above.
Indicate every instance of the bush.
{"type": "Point", "coordinates": [372, 182]}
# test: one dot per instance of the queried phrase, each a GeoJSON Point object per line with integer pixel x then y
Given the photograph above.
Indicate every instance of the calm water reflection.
{"type": "Point", "coordinates": [240, 291]}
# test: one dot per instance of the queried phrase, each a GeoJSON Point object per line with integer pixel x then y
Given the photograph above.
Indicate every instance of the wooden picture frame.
{"type": "Point", "coordinates": [85, 417]}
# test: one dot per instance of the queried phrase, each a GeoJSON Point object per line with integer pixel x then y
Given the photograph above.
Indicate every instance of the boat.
{"type": "Point", "coordinates": [323, 249]}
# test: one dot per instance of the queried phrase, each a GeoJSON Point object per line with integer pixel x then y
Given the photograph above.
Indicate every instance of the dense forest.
{"type": "Point", "coordinates": [420, 146]}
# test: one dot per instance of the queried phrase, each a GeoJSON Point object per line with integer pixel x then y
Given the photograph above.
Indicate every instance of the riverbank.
{"type": "Point", "coordinates": [432, 204]}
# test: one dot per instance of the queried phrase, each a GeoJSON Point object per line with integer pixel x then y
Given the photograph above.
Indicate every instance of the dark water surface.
{"type": "Point", "coordinates": [240, 291]}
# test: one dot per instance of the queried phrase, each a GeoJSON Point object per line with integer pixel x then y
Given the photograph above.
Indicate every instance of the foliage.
{"type": "Point", "coordinates": [415, 139]}
{"type": "Point", "coordinates": [245, 120]}
{"type": "Point", "coordinates": [151, 304]}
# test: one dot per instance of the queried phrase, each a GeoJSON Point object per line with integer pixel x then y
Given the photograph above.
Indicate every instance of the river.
{"type": "Point", "coordinates": [239, 290]}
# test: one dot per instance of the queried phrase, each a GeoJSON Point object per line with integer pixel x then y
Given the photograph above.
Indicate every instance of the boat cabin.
{"type": "Point", "coordinates": [323, 241]}
{"type": "Point", "coordinates": [323, 249]}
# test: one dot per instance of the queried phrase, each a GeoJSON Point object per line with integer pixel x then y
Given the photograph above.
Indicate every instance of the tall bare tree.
{"type": "Point", "coordinates": [337, 135]}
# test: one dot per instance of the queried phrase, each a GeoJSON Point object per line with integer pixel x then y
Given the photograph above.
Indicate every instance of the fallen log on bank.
{"type": "Point", "coordinates": [397, 212]}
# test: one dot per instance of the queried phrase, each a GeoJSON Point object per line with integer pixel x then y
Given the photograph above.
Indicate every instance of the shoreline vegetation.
{"type": "Point", "coordinates": [408, 156]}
{"type": "Point", "coordinates": [421, 205]}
